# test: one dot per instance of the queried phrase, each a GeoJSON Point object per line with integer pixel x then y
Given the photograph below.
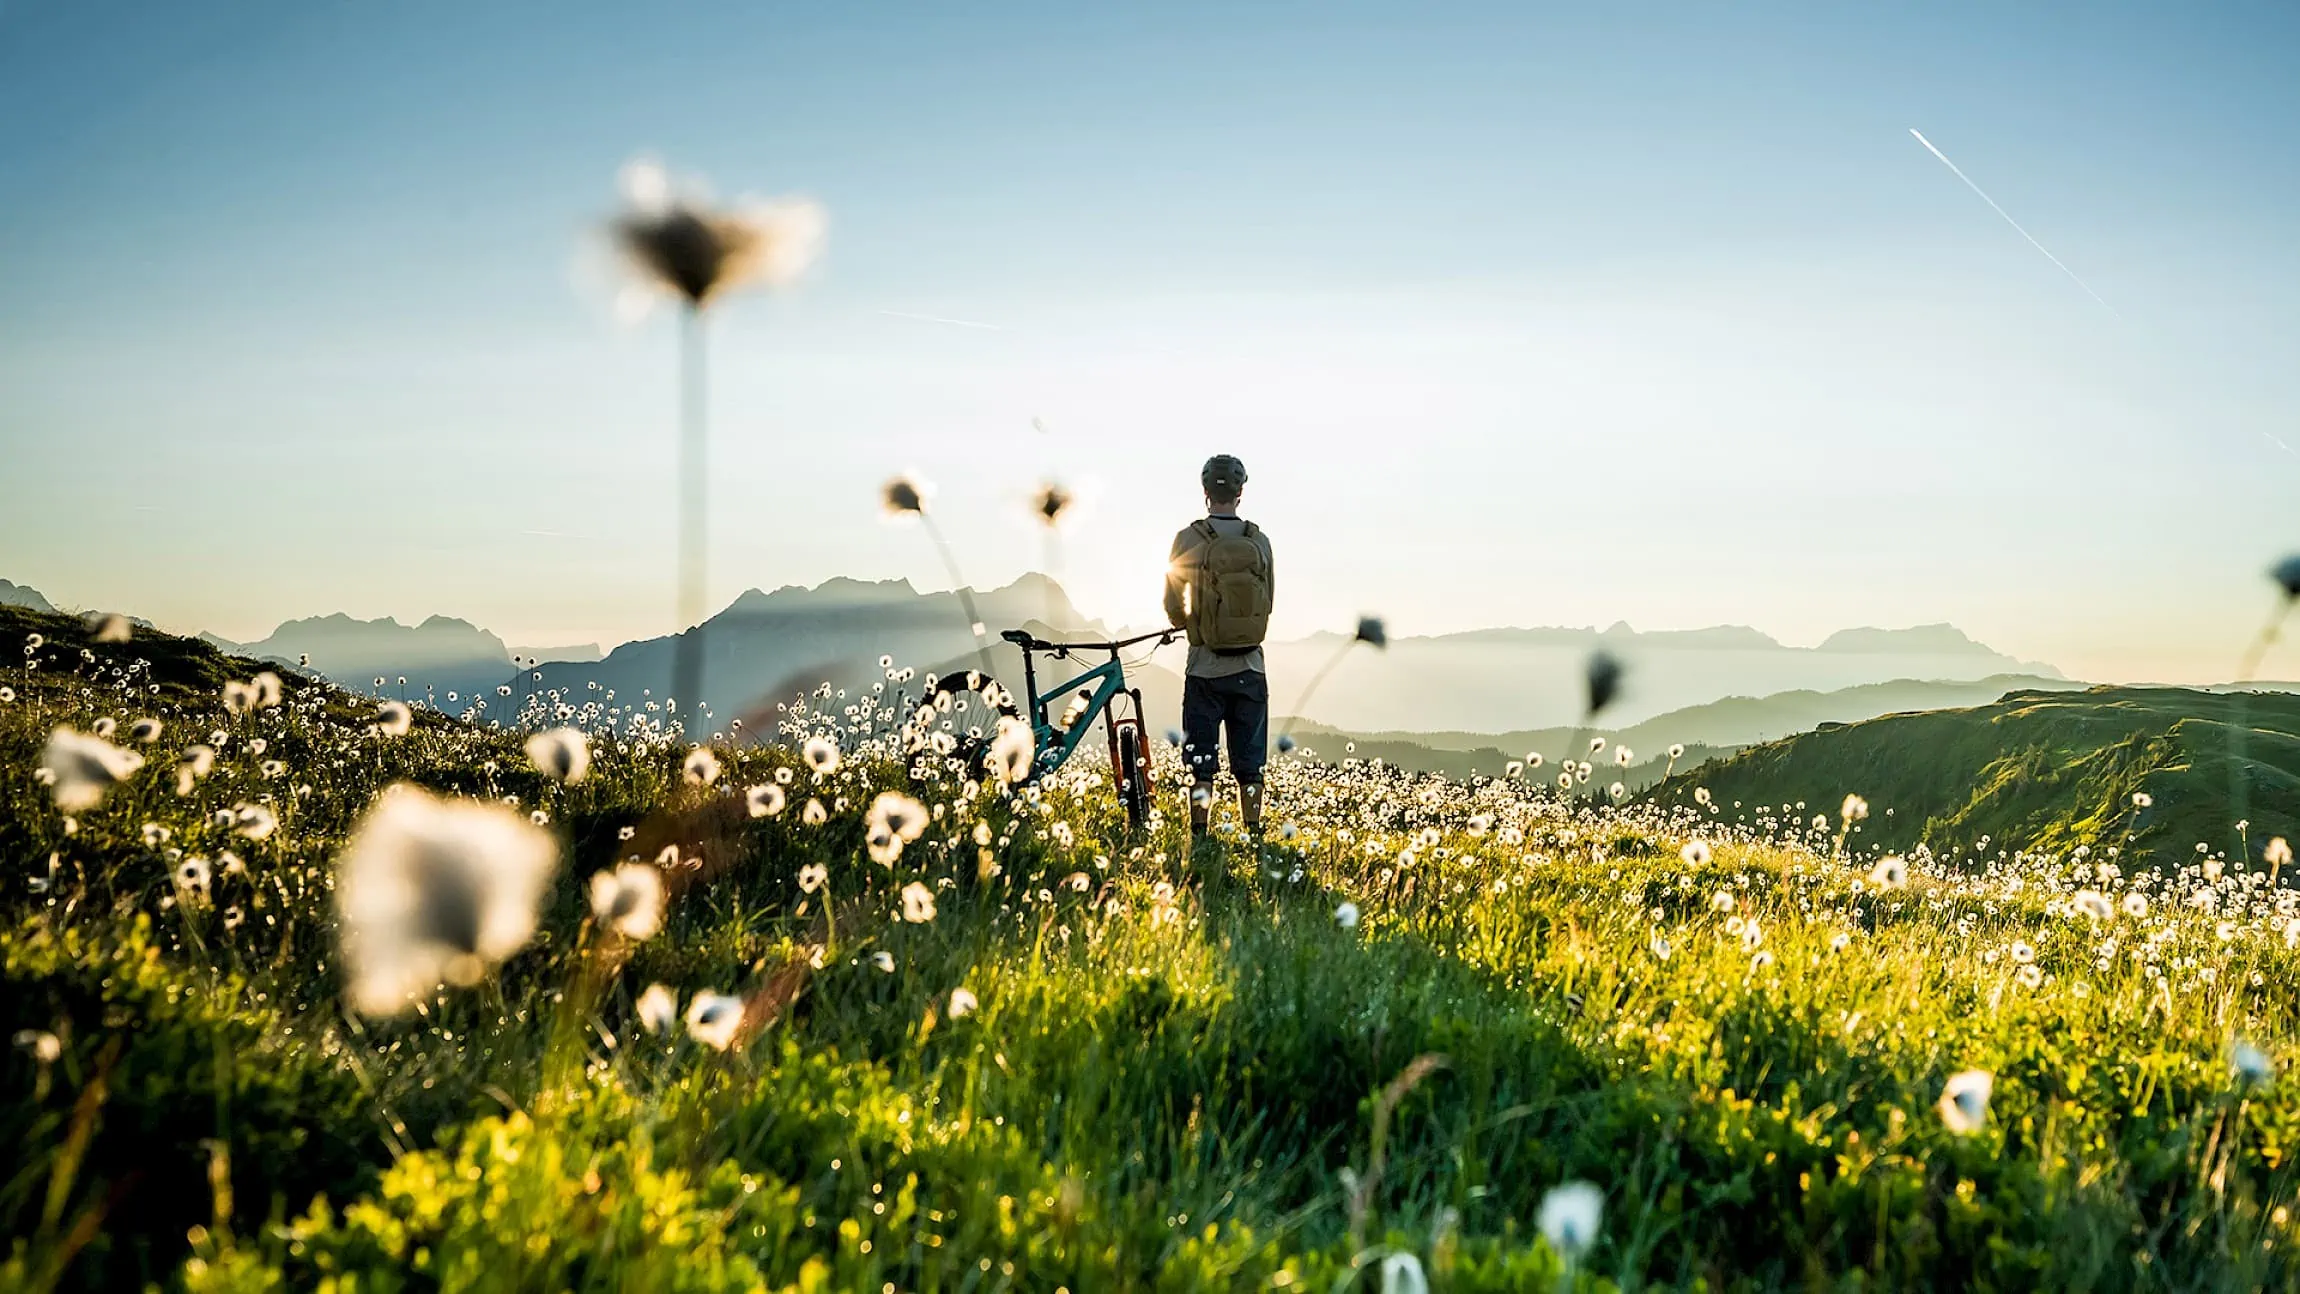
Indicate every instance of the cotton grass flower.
{"type": "Point", "coordinates": [628, 900]}
{"type": "Point", "coordinates": [658, 1009]}
{"type": "Point", "coordinates": [561, 754]}
{"type": "Point", "coordinates": [196, 762]}
{"type": "Point", "coordinates": [1401, 1273]}
{"type": "Point", "coordinates": [1695, 854]}
{"type": "Point", "coordinates": [917, 903]}
{"type": "Point", "coordinates": [1964, 1104]}
{"type": "Point", "coordinates": [714, 1018]}
{"type": "Point", "coordinates": [700, 768]}
{"type": "Point", "coordinates": [81, 770]}
{"type": "Point", "coordinates": [2092, 904]}
{"type": "Point", "coordinates": [1346, 916]}
{"type": "Point", "coordinates": [393, 718]}
{"type": "Point", "coordinates": [884, 960]}
{"type": "Point", "coordinates": [1602, 677]}
{"type": "Point", "coordinates": [432, 890]}
{"type": "Point", "coordinates": [1890, 873]}
{"type": "Point", "coordinates": [254, 821]}
{"type": "Point", "coordinates": [684, 248]}
{"type": "Point", "coordinates": [821, 755]}
{"type": "Point", "coordinates": [2251, 1065]}
{"type": "Point", "coordinates": [812, 877]}
{"type": "Point", "coordinates": [765, 800]}
{"type": "Point", "coordinates": [1570, 1218]}
{"type": "Point", "coordinates": [962, 1003]}
{"type": "Point", "coordinates": [1012, 750]}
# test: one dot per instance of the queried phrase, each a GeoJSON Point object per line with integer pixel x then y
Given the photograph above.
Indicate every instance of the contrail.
{"type": "Point", "coordinates": [2279, 443]}
{"type": "Point", "coordinates": [955, 323]}
{"type": "Point", "coordinates": [2010, 221]}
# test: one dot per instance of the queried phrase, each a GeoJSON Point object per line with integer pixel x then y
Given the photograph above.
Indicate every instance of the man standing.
{"type": "Point", "coordinates": [1219, 589]}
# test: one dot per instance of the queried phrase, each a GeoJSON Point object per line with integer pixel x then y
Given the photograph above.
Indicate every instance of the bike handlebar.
{"type": "Point", "coordinates": [1028, 643]}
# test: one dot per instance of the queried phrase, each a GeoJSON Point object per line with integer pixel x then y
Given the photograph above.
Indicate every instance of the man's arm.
{"type": "Point", "coordinates": [1177, 574]}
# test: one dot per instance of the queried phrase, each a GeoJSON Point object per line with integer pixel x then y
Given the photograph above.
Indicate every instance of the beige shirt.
{"type": "Point", "coordinates": [1204, 661]}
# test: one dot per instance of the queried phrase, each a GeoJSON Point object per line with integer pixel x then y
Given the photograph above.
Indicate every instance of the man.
{"type": "Point", "coordinates": [1219, 588]}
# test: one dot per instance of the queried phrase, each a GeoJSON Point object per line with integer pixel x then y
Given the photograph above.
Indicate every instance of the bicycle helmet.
{"type": "Point", "coordinates": [1223, 475]}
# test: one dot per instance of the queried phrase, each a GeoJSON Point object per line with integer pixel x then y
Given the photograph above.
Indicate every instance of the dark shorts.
{"type": "Point", "coordinates": [1239, 703]}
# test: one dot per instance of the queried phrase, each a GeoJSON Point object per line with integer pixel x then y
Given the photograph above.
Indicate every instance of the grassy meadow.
{"type": "Point", "coordinates": [1023, 1049]}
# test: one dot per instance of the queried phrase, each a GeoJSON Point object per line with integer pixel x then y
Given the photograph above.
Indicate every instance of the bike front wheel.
{"type": "Point", "coordinates": [1133, 776]}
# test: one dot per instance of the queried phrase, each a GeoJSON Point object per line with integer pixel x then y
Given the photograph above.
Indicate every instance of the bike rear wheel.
{"type": "Point", "coordinates": [965, 708]}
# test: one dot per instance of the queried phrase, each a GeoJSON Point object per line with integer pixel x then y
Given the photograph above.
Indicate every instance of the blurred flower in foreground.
{"type": "Point", "coordinates": [431, 891]}
{"type": "Point", "coordinates": [917, 903]}
{"type": "Point", "coordinates": [658, 1009]}
{"type": "Point", "coordinates": [628, 900]}
{"type": "Point", "coordinates": [821, 754]}
{"type": "Point", "coordinates": [145, 730]}
{"type": "Point", "coordinates": [962, 1004]}
{"type": "Point", "coordinates": [111, 627]}
{"type": "Point", "coordinates": [1402, 1274]}
{"type": "Point", "coordinates": [1603, 675]}
{"type": "Point", "coordinates": [712, 1019]}
{"type": "Point", "coordinates": [1012, 750]}
{"type": "Point", "coordinates": [1890, 873]}
{"type": "Point", "coordinates": [1346, 916]}
{"type": "Point", "coordinates": [2251, 1065]}
{"type": "Point", "coordinates": [765, 800]}
{"type": "Point", "coordinates": [683, 248]}
{"type": "Point", "coordinates": [1570, 1216]}
{"type": "Point", "coordinates": [700, 768]}
{"type": "Point", "coordinates": [1965, 1101]}
{"type": "Point", "coordinates": [1372, 632]}
{"type": "Point", "coordinates": [393, 718]}
{"type": "Point", "coordinates": [1051, 502]}
{"type": "Point", "coordinates": [82, 769]}
{"type": "Point", "coordinates": [561, 754]}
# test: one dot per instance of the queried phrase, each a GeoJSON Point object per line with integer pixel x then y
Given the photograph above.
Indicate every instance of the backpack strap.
{"type": "Point", "coordinates": [1205, 528]}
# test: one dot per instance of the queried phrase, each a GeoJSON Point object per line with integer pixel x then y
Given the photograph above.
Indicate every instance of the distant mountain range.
{"type": "Point", "coordinates": [1506, 680]}
{"type": "Point", "coordinates": [1710, 731]}
{"type": "Point", "coordinates": [1513, 683]}
{"type": "Point", "coordinates": [17, 595]}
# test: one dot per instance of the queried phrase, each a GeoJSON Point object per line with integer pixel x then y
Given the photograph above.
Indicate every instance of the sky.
{"type": "Point", "coordinates": [1517, 314]}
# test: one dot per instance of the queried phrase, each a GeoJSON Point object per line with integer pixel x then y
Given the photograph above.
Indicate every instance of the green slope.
{"type": "Point", "coordinates": [2037, 770]}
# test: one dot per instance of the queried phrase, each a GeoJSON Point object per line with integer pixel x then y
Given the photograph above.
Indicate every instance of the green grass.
{"type": "Point", "coordinates": [1212, 1085]}
{"type": "Point", "coordinates": [2046, 771]}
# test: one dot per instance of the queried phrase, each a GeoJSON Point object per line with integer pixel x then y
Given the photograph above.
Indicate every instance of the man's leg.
{"type": "Point", "coordinates": [1247, 716]}
{"type": "Point", "coordinates": [1201, 737]}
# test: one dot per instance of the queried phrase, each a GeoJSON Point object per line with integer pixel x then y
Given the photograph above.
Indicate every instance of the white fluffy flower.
{"type": "Point", "coordinates": [432, 890]}
{"type": "Point", "coordinates": [628, 900]}
{"type": "Point", "coordinates": [1965, 1101]}
{"type": "Point", "coordinates": [1012, 749]}
{"type": "Point", "coordinates": [701, 767]}
{"type": "Point", "coordinates": [713, 1018]}
{"type": "Point", "coordinates": [765, 800]}
{"type": "Point", "coordinates": [81, 770]}
{"type": "Point", "coordinates": [1570, 1216]}
{"type": "Point", "coordinates": [962, 1003]}
{"type": "Point", "coordinates": [1889, 873]}
{"type": "Point", "coordinates": [393, 718]}
{"type": "Point", "coordinates": [658, 1009]}
{"type": "Point", "coordinates": [562, 754]}
{"type": "Point", "coordinates": [821, 754]}
{"type": "Point", "coordinates": [1346, 916]}
{"type": "Point", "coordinates": [917, 903]}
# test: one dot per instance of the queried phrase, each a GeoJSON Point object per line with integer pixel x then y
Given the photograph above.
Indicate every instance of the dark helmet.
{"type": "Point", "coordinates": [1223, 475]}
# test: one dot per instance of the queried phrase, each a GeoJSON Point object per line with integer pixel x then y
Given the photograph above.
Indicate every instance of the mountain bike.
{"type": "Point", "coordinates": [1096, 691]}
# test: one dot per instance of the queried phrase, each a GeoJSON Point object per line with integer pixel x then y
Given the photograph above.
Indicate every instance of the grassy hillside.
{"type": "Point", "coordinates": [1031, 1051]}
{"type": "Point", "coordinates": [2039, 770]}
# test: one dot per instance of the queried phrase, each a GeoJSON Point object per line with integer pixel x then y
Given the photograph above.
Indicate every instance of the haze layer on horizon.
{"type": "Point", "coordinates": [1518, 315]}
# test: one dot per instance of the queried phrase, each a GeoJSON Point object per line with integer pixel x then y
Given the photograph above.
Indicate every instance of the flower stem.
{"type": "Point", "coordinates": [694, 448]}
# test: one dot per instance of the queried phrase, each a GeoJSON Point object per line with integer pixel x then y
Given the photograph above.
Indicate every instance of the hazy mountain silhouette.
{"type": "Point", "coordinates": [1511, 680]}
{"type": "Point", "coordinates": [23, 595]}
{"type": "Point", "coordinates": [578, 652]}
{"type": "Point", "coordinates": [766, 647]}
{"type": "Point", "coordinates": [1711, 731]}
{"type": "Point", "coordinates": [438, 656]}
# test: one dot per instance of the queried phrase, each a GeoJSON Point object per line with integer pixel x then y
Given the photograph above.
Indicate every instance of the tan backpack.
{"type": "Point", "coordinates": [1229, 590]}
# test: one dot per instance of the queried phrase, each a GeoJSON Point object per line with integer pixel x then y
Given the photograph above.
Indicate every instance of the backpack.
{"type": "Point", "coordinates": [1229, 591]}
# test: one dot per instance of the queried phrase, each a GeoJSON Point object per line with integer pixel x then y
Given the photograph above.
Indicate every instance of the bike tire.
{"type": "Point", "coordinates": [1133, 784]}
{"type": "Point", "coordinates": [970, 752]}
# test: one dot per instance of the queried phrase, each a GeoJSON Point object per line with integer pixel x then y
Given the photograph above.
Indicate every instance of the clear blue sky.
{"type": "Point", "coordinates": [1517, 314]}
